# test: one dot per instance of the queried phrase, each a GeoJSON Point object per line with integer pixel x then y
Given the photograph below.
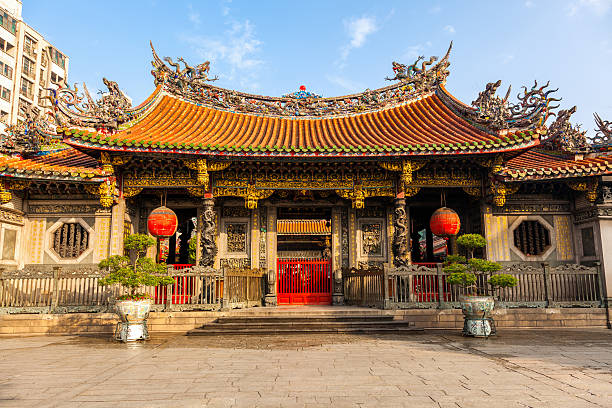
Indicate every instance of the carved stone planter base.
{"type": "Point", "coordinates": [270, 301]}
{"type": "Point", "coordinates": [337, 299]}
{"type": "Point", "coordinates": [479, 327]}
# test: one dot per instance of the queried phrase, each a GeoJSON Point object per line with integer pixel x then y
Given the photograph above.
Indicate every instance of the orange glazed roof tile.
{"type": "Point", "coordinates": [303, 227]}
{"type": "Point", "coordinates": [424, 125]}
{"type": "Point", "coordinates": [66, 164]}
{"type": "Point", "coordinates": [541, 165]}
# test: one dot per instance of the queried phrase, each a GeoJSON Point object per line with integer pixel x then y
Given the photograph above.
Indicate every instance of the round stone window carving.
{"type": "Point", "coordinates": [70, 240]}
{"type": "Point", "coordinates": [531, 238]}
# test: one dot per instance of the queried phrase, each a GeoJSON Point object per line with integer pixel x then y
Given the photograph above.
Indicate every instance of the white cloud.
{"type": "Point", "coordinates": [599, 7]}
{"type": "Point", "coordinates": [506, 58]}
{"type": "Point", "coordinates": [193, 15]}
{"type": "Point", "coordinates": [435, 9]}
{"type": "Point", "coordinates": [358, 29]}
{"type": "Point", "coordinates": [529, 4]}
{"type": "Point", "coordinates": [449, 29]}
{"type": "Point", "coordinates": [345, 83]}
{"type": "Point", "coordinates": [237, 47]}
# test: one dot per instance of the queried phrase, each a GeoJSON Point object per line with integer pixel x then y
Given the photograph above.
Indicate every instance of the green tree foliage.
{"type": "Point", "coordinates": [191, 251]}
{"type": "Point", "coordinates": [502, 280]}
{"type": "Point", "coordinates": [463, 279]}
{"type": "Point", "coordinates": [471, 242]}
{"type": "Point", "coordinates": [451, 259]}
{"type": "Point", "coordinates": [482, 265]}
{"type": "Point", "coordinates": [136, 270]}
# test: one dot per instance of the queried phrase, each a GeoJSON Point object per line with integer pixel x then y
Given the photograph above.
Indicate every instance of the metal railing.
{"type": "Point", "coordinates": [194, 288]}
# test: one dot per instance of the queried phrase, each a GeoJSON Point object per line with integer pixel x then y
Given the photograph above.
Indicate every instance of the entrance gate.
{"type": "Point", "coordinates": [304, 282]}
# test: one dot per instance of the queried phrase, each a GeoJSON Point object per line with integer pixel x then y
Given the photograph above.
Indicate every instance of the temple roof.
{"type": "Point", "coordinates": [303, 227]}
{"type": "Point", "coordinates": [424, 125]}
{"type": "Point", "coordinates": [542, 165]}
{"type": "Point", "coordinates": [65, 165]}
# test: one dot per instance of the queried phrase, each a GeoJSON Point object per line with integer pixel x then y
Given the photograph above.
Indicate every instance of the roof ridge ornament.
{"type": "Point", "coordinates": [81, 110]}
{"type": "Point", "coordinates": [194, 85]}
{"type": "Point", "coordinates": [423, 78]}
{"type": "Point", "coordinates": [495, 113]}
{"type": "Point", "coordinates": [563, 136]}
{"type": "Point", "coordinates": [603, 137]}
{"type": "Point", "coordinates": [28, 136]}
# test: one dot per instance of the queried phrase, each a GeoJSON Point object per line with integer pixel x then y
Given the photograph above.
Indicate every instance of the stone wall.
{"type": "Point", "coordinates": [180, 322]}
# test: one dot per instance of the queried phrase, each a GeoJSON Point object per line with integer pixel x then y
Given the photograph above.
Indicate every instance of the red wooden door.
{"type": "Point", "coordinates": [304, 282]}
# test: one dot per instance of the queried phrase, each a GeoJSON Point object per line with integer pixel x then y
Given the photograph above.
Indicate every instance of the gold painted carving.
{"type": "Point", "coordinates": [159, 182]}
{"type": "Point", "coordinates": [590, 187]}
{"type": "Point", "coordinates": [406, 167]}
{"type": "Point", "coordinates": [105, 161]}
{"type": "Point", "coordinates": [131, 191]}
{"type": "Point", "coordinates": [250, 194]}
{"type": "Point", "coordinates": [202, 167]}
{"type": "Point", "coordinates": [499, 194]}
{"type": "Point", "coordinates": [473, 191]}
{"type": "Point", "coordinates": [411, 191]}
{"type": "Point", "coordinates": [196, 191]}
{"type": "Point", "coordinates": [106, 190]}
{"type": "Point", "coordinates": [5, 195]}
{"type": "Point", "coordinates": [358, 194]}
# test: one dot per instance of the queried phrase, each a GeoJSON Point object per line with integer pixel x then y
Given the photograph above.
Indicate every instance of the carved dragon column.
{"type": "Point", "coordinates": [208, 246]}
{"type": "Point", "coordinates": [401, 255]}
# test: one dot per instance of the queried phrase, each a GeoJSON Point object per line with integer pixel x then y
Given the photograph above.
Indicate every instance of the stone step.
{"type": "Point", "coordinates": [306, 324]}
{"type": "Point", "coordinates": [257, 331]}
{"type": "Point", "coordinates": [273, 319]}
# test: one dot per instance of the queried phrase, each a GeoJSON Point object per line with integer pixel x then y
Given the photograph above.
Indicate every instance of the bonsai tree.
{"type": "Point", "coordinates": [136, 270]}
{"type": "Point", "coordinates": [471, 242]}
{"type": "Point", "coordinates": [465, 273]}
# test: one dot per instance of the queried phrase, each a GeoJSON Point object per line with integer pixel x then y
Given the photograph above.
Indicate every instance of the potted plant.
{"type": "Point", "coordinates": [132, 273]}
{"type": "Point", "coordinates": [470, 274]}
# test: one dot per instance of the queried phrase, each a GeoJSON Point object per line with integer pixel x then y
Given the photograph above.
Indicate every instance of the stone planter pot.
{"type": "Point", "coordinates": [477, 315]}
{"type": "Point", "coordinates": [133, 315]}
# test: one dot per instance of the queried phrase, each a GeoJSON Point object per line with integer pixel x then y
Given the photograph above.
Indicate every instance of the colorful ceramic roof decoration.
{"type": "Point", "coordinates": [414, 116]}
{"type": "Point", "coordinates": [67, 165]}
{"type": "Point", "coordinates": [302, 94]}
{"type": "Point", "coordinates": [537, 164]}
{"type": "Point", "coordinates": [303, 227]}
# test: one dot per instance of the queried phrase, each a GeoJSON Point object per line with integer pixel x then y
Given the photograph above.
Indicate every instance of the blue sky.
{"type": "Point", "coordinates": [340, 47]}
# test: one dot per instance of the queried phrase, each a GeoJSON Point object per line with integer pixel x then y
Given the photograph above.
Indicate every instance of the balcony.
{"type": "Point", "coordinates": [30, 51]}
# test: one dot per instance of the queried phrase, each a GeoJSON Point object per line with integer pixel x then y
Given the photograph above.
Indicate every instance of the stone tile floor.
{"type": "Point", "coordinates": [518, 368]}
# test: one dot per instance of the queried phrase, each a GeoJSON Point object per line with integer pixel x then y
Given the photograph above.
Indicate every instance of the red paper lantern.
{"type": "Point", "coordinates": [444, 222]}
{"type": "Point", "coordinates": [162, 222]}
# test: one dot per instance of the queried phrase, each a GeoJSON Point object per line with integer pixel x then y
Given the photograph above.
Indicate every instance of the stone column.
{"type": "Point", "coordinates": [255, 225]}
{"type": "Point", "coordinates": [208, 245]}
{"type": "Point", "coordinates": [336, 245]}
{"type": "Point", "coordinates": [271, 247]}
{"type": "Point", "coordinates": [401, 254]}
{"type": "Point", "coordinates": [117, 221]}
{"type": "Point", "coordinates": [352, 232]}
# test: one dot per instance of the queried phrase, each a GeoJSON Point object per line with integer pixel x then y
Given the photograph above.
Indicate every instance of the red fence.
{"type": "Point", "coordinates": [304, 281]}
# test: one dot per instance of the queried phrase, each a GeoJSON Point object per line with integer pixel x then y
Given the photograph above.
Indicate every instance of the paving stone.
{"type": "Point", "coordinates": [518, 368]}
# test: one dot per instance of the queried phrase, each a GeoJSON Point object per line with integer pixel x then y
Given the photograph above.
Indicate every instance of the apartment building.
{"type": "Point", "coordinates": [28, 65]}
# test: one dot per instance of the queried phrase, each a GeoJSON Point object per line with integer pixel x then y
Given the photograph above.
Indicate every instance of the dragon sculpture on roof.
{"type": "Point", "coordinates": [28, 136]}
{"type": "Point", "coordinates": [490, 111]}
{"type": "Point", "coordinates": [562, 135]}
{"type": "Point", "coordinates": [81, 110]}
{"type": "Point", "coordinates": [603, 137]}
{"type": "Point", "coordinates": [194, 84]}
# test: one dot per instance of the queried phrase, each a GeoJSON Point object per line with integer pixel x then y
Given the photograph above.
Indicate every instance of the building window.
{"type": "Point", "coordinates": [58, 58]}
{"type": "Point", "coordinates": [7, 47]}
{"type": "Point", "coordinates": [23, 107]}
{"type": "Point", "coordinates": [531, 238]}
{"type": "Point", "coordinates": [6, 70]}
{"type": "Point", "coordinates": [588, 242]}
{"type": "Point", "coordinates": [70, 240]}
{"type": "Point", "coordinates": [4, 117]}
{"type": "Point", "coordinates": [27, 88]}
{"type": "Point", "coordinates": [43, 60]}
{"type": "Point", "coordinates": [5, 94]}
{"type": "Point", "coordinates": [29, 46]}
{"type": "Point", "coordinates": [8, 22]}
{"type": "Point", "coordinates": [28, 67]}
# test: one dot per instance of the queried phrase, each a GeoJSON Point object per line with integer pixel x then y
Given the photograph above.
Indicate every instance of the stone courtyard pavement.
{"type": "Point", "coordinates": [561, 368]}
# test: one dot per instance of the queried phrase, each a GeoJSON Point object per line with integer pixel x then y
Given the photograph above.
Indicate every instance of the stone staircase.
{"type": "Point", "coordinates": [333, 320]}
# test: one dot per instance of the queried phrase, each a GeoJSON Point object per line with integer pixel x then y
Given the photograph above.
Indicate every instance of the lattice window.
{"type": "Point", "coordinates": [531, 238]}
{"type": "Point", "coordinates": [236, 237]}
{"type": "Point", "coordinates": [70, 240]}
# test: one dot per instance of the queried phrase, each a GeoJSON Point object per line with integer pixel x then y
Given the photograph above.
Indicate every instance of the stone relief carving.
{"type": "Point", "coordinates": [236, 237]}
{"type": "Point", "coordinates": [371, 239]}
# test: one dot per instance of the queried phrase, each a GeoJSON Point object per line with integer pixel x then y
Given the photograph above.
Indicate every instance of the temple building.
{"type": "Point", "coordinates": [261, 182]}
